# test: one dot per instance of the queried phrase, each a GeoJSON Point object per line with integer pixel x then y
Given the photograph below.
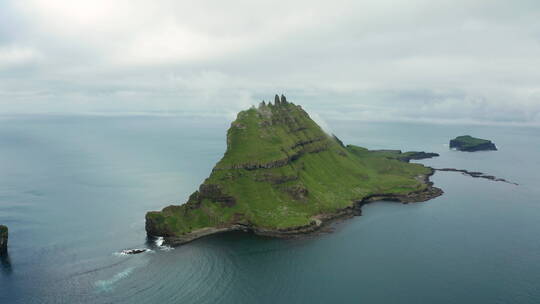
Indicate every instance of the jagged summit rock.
{"type": "Point", "coordinates": [282, 175]}
{"type": "Point", "coordinates": [276, 100]}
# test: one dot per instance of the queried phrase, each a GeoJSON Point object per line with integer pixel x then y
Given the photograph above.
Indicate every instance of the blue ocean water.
{"type": "Point", "coordinates": [74, 191]}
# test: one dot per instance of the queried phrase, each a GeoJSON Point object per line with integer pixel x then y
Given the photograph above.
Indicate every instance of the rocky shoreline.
{"type": "Point", "coordinates": [323, 220]}
{"type": "Point", "coordinates": [320, 221]}
{"type": "Point", "coordinates": [477, 175]}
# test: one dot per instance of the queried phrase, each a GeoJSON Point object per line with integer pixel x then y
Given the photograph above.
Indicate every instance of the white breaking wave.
{"type": "Point", "coordinates": [159, 243]}
{"type": "Point", "coordinates": [107, 285]}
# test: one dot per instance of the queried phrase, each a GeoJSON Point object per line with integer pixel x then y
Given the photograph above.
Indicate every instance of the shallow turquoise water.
{"type": "Point", "coordinates": [74, 191]}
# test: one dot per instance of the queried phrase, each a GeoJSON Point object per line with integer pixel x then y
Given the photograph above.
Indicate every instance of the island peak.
{"type": "Point", "coordinates": [282, 175]}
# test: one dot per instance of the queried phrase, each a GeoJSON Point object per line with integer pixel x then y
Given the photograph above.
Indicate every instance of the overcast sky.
{"type": "Point", "coordinates": [414, 60]}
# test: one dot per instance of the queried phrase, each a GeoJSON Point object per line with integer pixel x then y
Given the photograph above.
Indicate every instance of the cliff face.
{"type": "Point", "coordinates": [471, 144]}
{"type": "Point", "coordinates": [282, 174]}
{"type": "Point", "coordinates": [3, 239]}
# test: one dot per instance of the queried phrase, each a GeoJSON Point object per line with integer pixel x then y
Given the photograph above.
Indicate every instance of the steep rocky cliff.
{"type": "Point", "coordinates": [282, 175]}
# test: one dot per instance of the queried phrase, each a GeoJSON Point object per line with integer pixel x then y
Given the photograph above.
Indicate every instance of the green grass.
{"type": "Point", "coordinates": [333, 176]}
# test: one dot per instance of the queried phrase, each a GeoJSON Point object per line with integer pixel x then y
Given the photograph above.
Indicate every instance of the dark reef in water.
{"type": "Point", "coordinates": [3, 239]}
{"type": "Point", "coordinates": [477, 175]}
{"type": "Point", "coordinates": [134, 251]}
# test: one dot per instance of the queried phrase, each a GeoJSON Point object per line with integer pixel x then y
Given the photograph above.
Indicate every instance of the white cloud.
{"type": "Point", "coordinates": [379, 60]}
{"type": "Point", "coordinates": [12, 56]}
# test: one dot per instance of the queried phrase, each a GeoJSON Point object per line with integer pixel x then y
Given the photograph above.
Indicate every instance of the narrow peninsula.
{"type": "Point", "coordinates": [471, 144]}
{"type": "Point", "coordinates": [283, 176]}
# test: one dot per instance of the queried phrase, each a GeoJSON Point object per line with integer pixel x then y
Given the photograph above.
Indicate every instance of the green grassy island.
{"type": "Point", "coordinates": [282, 175]}
{"type": "Point", "coordinates": [471, 144]}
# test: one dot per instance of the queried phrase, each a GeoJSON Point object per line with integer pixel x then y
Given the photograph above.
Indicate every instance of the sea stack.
{"type": "Point", "coordinates": [3, 239]}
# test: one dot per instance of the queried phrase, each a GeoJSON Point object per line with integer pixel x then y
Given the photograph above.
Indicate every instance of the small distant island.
{"type": "Point", "coordinates": [283, 176]}
{"type": "Point", "coordinates": [471, 144]}
{"type": "Point", "coordinates": [3, 239]}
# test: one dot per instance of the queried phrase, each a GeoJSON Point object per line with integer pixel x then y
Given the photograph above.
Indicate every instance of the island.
{"type": "Point", "coordinates": [3, 239]}
{"type": "Point", "coordinates": [283, 176]}
{"type": "Point", "coordinates": [471, 144]}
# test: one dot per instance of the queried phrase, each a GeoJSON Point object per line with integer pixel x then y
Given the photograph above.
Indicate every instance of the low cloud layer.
{"type": "Point", "coordinates": [437, 61]}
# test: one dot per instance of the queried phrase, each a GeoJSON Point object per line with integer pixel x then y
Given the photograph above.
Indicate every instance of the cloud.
{"type": "Point", "coordinates": [446, 61]}
{"type": "Point", "coordinates": [13, 56]}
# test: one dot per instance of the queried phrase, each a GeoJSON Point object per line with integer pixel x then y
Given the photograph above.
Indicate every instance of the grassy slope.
{"type": "Point", "coordinates": [324, 178]}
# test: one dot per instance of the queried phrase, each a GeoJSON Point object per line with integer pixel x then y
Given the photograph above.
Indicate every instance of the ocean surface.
{"type": "Point", "coordinates": [74, 191]}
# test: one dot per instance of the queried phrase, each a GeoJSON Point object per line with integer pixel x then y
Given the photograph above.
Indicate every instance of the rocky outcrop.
{"type": "Point", "coordinates": [213, 193]}
{"type": "Point", "coordinates": [134, 251]}
{"type": "Point", "coordinates": [276, 100]}
{"type": "Point", "coordinates": [468, 143]}
{"type": "Point", "coordinates": [3, 239]}
{"type": "Point", "coordinates": [274, 178]}
{"type": "Point", "coordinates": [298, 192]}
{"type": "Point", "coordinates": [477, 175]}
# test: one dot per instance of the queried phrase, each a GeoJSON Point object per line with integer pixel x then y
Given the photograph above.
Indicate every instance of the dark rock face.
{"type": "Point", "coordinates": [275, 179]}
{"type": "Point", "coordinates": [276, 99]}
{"type": "Point", "coordinates": [213, 193]}
{"type": "Point", "coordinates": [3, 239]}
{"type": "Point", "coordinates": [298, 192]}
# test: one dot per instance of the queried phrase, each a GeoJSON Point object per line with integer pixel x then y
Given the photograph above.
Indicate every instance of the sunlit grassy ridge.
{"type": "Point", "coordinates": [281, 169]}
